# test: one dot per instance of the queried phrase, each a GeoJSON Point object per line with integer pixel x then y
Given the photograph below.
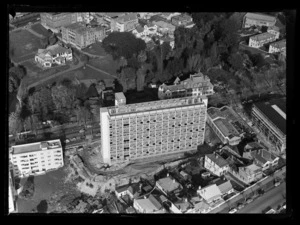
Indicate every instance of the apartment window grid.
{"type": "Point", "coordinates": [155, 132]}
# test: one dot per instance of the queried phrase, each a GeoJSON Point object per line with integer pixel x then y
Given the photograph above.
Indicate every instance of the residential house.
{"type": "Point", "coordinates": [81, 35]}
{"type": "Point", "coordinates": [264, 159]}
{"type": "Point", "coordinates": [258, 19]}
{"type": "Point", "coordinates": [130, 210]}
{"type": "Point", "coordinates": [198, 84]}
{"type": "Point", "coordinates": [224, 186]}
{"type": "Point", "coordinates": [124, 23]}
{"type": "Point", "coordinates": [210, 193]}
{"type": "Point", "coordinates": [185, 176]}
{"type": "Point", "coordinates": [216, 164]}
{"type": "Point", "coordinates": [54, 54]}
{"type": "Point", "coordinates": [199, 206]}
{"type": "Point", "coordinates": [274, 30]}
{"type": "Point", "coordinates": [164, 27]}
{"type": "Point", "coordinates": [227, 124]}
{"type": "Point", "coordinates": [148, 205]}
{"type": "Point", "coordinates": [168, 185]}
{"type": "Point", "coordinates": [132, 190]}
{"type": "Point", "coordinates": [183, 205]}
{"type": "Point", "coordinates": [279, 46]}
{"type": "Point", "coordinates": [248, 174]}
{"type": "Point", "coordinates": [182, 20]}
{"type": "Point", "coordinates": [168, 16]}
{"type": "Point", "coordinates": [259, 40]}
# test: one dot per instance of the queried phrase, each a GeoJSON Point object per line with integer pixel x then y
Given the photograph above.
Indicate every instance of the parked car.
{"type": "Point", "coordinates": [82, 130]}
{"type": "Point", "coordinates": [240, 206]}
{"type": "Point", "coordinates": [234, 210]}
{"type": "Point", "coordinates": [67, 140]}
{"type": "Point", "coordinates": [249, 200]}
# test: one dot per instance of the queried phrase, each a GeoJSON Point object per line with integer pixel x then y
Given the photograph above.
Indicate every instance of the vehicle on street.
{"type": "Point", "coordinates": [277, 184]}
{"type": "Point", "coordinates": [82, 130]}
{"type": "Point", "coordinates": [249, 200]}
{"type": "Point", "coordinates": [266, 210]}
{"type": "Point", "coordinates": [240, 206]}
{"type": "Point", "coordinates": [234, 210]}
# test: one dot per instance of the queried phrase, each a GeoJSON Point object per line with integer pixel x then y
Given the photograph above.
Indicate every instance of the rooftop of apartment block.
{"type": "Point", "coordinates": [260, 16]}
{"type": "Point", "coordinates": [81, 27]}
{"type": "Point", "coordinates": [156, 105]}
{"type": "Point", "coordinates": [217, 159]}
{"type": "Point", "coordinates": [38, 146]}
{"type": "Point", "coordinates": [263, 36]}
{"type": "Point", "coordinates": [279, 44]}
{"type": "Point", "coordinates": [275, 111]}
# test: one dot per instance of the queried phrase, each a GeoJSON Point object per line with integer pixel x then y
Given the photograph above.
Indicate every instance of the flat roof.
{"type": "Point", "coordinates": [260, 16]}
{"type": "Point", "coordinates": [279, 44]}
{"type": "Point", "coordinates": [33, 147]}
{"type": "Point", "coordinates": [275, 116]}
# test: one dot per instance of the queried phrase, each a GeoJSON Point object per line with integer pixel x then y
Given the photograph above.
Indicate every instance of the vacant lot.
{"type": "Point", "coordinates": [95, 49]}
{"type": "Point", "coordinates": [40, 29]}
{"type": "Point", "coordinates": [23, 45]}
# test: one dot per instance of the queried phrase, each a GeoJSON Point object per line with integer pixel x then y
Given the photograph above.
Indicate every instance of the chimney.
{"type": "Point", "coordinates": [185, 199]}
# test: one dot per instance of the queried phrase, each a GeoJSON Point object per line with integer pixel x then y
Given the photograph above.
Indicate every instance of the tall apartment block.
{"type": "Point", "coordinates": [142, 130]}
{"type": "Point", "coordinates": [81, 36]}
{"type": "Point", "coordinates": [36, 158]}
{"type": "Point", "coordinates": [270, 119]}
{"type": "Point", "coordinates": [196, 85]}
{"type": "Point", "coordinates": [57, 20]}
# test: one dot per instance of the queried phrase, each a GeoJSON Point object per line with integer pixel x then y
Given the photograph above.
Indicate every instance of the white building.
{"type": "Point", "coordinates": [258, 19]}
{"type": "Point", "coordinates": [279, 46]}
{"type": "Point", "coordinates": [36, 158]}
{"type": "Point", "coordinates": [216, 164]}
{"type": "Point", "coordinates": [210, 193]}
{"type": "Point", "coordinates": [274, 30]}
{"type": "Point", "coordinates": [259, 40]}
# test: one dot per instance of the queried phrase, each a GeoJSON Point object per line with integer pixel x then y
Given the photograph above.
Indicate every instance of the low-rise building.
{"type": "Point", "coordinates": [274, 30]}
{"type": "Point", "coordinates": [168, 185]}
{"type": "Point", "coordinates": [198, 84]}
{"type": "Point", "coordinates": [164, 27]}
{"type": "Point", "coordinates": [224, 186]}
{"type": "Point", "coordinates": [258, 19]}
{"type": "Point", "coordinates": [199, 206]}
{"type": "Point", "coordinates": [259, 40]}
{"type": "Point", "coordinates": [123, 23]}
{"type": "Point", "coordinates": [55, 21]}
{"type": "Point", "coordinates": [248, 174]}
{"type": "Point", "coordinates": [264, 159]}
{"type": "Point", "coordinates": [54, 54]}
{"type": "Point", "coordinates": [182, 20]}
{"type": "Point", "coordinates": [132, 190]}
{"type": "Point", "coordinates": [148, 205]}
{"type": "Point", "coordinates": [227, 124]}
{"type": "Point", "coordinates": [81, 35]}
{"type": "Point", "coordinates": [270, 119]}
{"type": "Point", "coordinates": [278, 46]}
{"type": "Point", "coordinates": [210, 193]}
{"type": "Point", "coordinates": [168, 15]}
{"type": "Point", "coordinates": [216, 164]}
{"type": "Point", "coordinates": [36, 158]}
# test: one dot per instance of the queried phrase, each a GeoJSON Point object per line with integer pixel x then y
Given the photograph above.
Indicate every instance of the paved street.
{"type": "Point", "coordinates": [271, 198]}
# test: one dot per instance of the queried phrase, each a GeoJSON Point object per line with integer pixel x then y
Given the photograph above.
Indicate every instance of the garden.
{"type": "Point", "coordinates": [95, 49]}
{"type": "Point", "coordinates": [23, 45]}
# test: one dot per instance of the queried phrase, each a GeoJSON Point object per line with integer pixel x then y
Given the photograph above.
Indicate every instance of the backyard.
{"type": "Point", "coordinates": [23, 45]}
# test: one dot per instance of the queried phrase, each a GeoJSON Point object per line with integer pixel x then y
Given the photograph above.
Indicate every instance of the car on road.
{"type": "Point", "coordinates": [82, 130]}
{"type": "Point", "coordinates": [231, 211]}
{"type": "Point", "coordinates": [249, 200]}
{"type": "Point", "coordinates": [266, 210]}
{"type": "Point", "coordinates": [240, 206]}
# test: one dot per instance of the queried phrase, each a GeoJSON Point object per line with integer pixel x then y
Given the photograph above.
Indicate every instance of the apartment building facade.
{"type": "Point", "coordinates": [216, 164]}
{"type": "Point", "coordinates": [124, 23]}
{"type": "Point", "coordinates": [36, 158]}
{"type": "Point", "coordinates": [279, 46]}
{"type": "Point", "coordinates": [259, 40]}
{"type": "Point", "coordinates": [196, 85]}
{"type": "Point", "coordinates": [80, 35]}
{"type": "Point", "coordinates": [274, 30]}
{"type": "Point", "coordinates": [270, 119]}
{"type": "Point", "coordinates": [150, 129]}
{"type": "Point", "coordinates": [257, 19]}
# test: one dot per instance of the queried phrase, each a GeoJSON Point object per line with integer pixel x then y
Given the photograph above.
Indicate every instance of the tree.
{"type": "Point", "coordinates": [44, 42]}
{"type": "Point", "coordinates": [14, 123]}
{"type": "Point", "coordinates": [22, 93]}
{"type": "Point", "coordinates": [194, 63]}
{"type": "Point", "coordinates": [236, 61]}
{"type": "Point", "coordinates": [52, 39]}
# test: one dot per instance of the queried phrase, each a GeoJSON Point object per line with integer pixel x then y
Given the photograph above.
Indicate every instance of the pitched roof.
{"type": "Point", "coordinates": [168, 184]}
{"type": "Point", "coordinates": [225, 186]}
{"type": "Point", "coordinates": [259, 16]}
{"type": "Point", "coordinates": [263, 36]}
{"type": "Point", "coordinates": [149, 204]}
{"type": "Point", "coordinates": [182, 205]}
{"type": "Point", "coordinates": [275, 111]}
{"type": "Point", "coordinates": [217, 159]}
{"type": "Point", "coordinates": [122, 188]}
{"type": "Point", "coordinates": [279, 44]}
{"type": "Point", "coordinates": [200, 206]}
{"type": "Point", "coordinates": [210, 192]}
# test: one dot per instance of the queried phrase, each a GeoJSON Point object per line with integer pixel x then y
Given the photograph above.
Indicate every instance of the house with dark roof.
{"type": "Point", "coordinates": [216, 164]}
{"type": "Point", "coordinates": [224, 185]}
{"type": "Point", "coordinates": [132, 190]}
{"type": "Point", "coordinates": [270, 118]}
{"type": "Point", "coordinates": [168, 185]}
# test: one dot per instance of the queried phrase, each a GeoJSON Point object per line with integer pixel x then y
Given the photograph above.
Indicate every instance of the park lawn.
{"type": "Point", "coordinates": [106, 64]}
{"type": "Point", "coordinates": [23, 45]}
{"type": "Point", "coordinates": [40, 29]}
{"type": "Point", "coordinates": [80, 74]}
{"type": "Point", "coordinates": [31, 65]}
{"type": "Point", "coordinates": [95, 49]}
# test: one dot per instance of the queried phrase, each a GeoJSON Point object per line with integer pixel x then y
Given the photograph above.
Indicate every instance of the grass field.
{"type": "Point", "coordinates": [40, 29]}
{"type": "Point", "coordinates": [31, 66]}
{"type": "Point", "coordinates": [81, 74]}
{"type": "Point", "coordinates": [22, 45]}
{"type": "Point", "coordinates": [107, 64]}
{"type": "Point", "coordinates": [95, 49]}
